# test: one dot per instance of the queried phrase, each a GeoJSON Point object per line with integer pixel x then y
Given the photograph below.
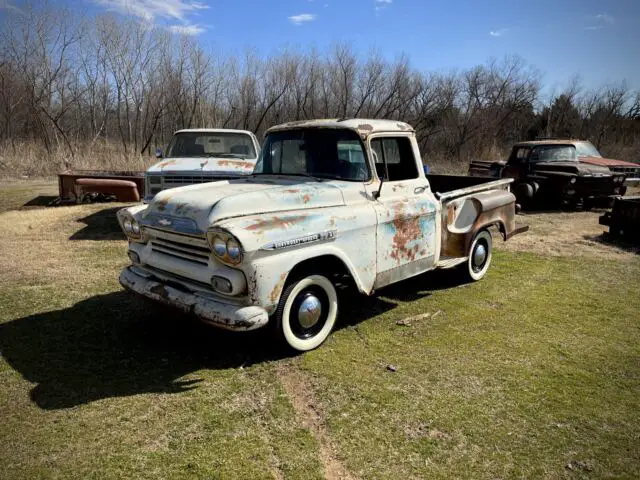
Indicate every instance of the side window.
{"type": "Point", "coordinates": [397, 152]}
{"type": "Point", "coordinates": [519, 155]}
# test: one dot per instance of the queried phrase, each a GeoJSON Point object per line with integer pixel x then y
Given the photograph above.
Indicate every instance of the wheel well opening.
{"type": "Point", "coordinates": [328, 265]}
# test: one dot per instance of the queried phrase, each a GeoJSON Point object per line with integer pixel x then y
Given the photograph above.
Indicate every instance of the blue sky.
{"type": "Point", "coordinates": [598, 39]}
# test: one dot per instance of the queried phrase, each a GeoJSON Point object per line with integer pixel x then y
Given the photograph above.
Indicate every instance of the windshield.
{"type": "Point", "coordinates": [320, 153]}
{"type": "Point", "coordinates": [586, 149]}
{"type": "Point", "coordinates": [211, 144]}
{"type": "Point", "coordinates": [553, 153]}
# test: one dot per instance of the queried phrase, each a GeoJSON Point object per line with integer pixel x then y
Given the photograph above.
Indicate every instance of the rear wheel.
{"type": "Point", "coordinates": [479, 259]}
{"type": "Point", "coordinates": [307, 312]}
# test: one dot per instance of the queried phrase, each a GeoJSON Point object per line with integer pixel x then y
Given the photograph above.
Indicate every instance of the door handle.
{"type": "Point", "coordinates": [419, 190]}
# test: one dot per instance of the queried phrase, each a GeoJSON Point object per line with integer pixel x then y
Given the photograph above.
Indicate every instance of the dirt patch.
{"type": "Point", "coordinates": [566, 234]}
{"type": "Point", "coordinates": [305, 406]}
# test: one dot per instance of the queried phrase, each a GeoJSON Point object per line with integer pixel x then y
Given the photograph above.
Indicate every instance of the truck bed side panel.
{"type": "Point", "coordinates": [463, 217]}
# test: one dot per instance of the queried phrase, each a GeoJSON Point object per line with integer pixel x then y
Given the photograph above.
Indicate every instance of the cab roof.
{"type": "Point", "coordinates": [554, 141]}
{"type": "Point", "coordinates": [211, 130]}
{"type": "Point", "coordinates": [364, 127]}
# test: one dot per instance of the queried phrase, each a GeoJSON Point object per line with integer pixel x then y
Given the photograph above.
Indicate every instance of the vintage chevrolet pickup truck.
{"type": "Point", "coordinates": [329, 202]}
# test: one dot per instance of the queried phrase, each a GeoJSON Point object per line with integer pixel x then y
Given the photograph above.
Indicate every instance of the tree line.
{"type": "Point", "coordinates": [67, 82]}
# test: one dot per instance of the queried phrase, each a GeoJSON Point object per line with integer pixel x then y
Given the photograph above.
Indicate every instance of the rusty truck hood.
{"type": "Point", "coordinates": [203, 205]}
{"type": "Point", "coordinates": [608, 162]}
{"type": "Point", "coordinates": [221, 166]}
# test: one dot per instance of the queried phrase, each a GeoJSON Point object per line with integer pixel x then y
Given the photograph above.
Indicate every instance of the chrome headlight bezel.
{"type": "Point", "coordinates": [220, 242]}
{"type": "Point", "coordinates": [131, 227]}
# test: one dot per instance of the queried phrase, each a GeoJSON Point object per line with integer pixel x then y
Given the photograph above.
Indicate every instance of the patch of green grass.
{"type": "Point", "coordinates": [533, 368]}
{"type": "Point", "coordinates": [15, 194]}
{"type": "Point", "coordinates": [531, 371]}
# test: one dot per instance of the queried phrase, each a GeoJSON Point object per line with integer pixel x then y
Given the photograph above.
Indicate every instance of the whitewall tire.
{"type": "Point", "coordinates": [479, 259]}
{"type": "Point", "coordinates": [307, 312]}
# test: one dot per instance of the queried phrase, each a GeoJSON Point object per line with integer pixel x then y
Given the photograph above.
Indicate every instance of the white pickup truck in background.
{"type": "Point", "coordinates": [202, 155]}
{"type": "Point", "coordinates": [330, 203]}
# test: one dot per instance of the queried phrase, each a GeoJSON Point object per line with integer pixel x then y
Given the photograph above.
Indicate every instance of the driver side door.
{"type": "Point", "coordinates": [406, 212]}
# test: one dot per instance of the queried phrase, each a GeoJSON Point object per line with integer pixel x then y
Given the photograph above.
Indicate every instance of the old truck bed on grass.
{"type": "Point", "coordinates": [77, 185]}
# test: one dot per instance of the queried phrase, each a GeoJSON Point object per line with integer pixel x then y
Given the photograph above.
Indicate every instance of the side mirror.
{"type": "Point", "coordinates": [158, 153]}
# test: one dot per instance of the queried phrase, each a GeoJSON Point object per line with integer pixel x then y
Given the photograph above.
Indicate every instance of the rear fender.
{"type": "Point", "coordinates": [464, 217]}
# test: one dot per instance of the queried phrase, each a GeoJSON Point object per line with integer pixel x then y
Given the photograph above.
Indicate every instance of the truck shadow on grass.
{"type": "Point", "coordinates": [101, 225]}
{"type": "Point", "coordinates": [117, 345]}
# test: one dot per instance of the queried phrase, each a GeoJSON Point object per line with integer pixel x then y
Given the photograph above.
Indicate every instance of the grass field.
{"type": "Point", "coordinates": [532, 373]}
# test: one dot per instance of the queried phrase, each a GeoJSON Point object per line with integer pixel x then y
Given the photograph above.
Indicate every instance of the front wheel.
{"type": "Point", "coordinates": [307, 312]}
{"type": "Point", "coordinates": [479, 259]}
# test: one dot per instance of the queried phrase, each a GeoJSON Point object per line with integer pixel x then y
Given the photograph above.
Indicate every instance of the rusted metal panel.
{"type": "Point", "coordinates": [71, 191]}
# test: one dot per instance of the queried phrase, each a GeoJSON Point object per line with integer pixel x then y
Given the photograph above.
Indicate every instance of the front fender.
{"type": "Point", "coordinates": [268, 275]}
{"type": "Point", "coordinates": [275, 244]}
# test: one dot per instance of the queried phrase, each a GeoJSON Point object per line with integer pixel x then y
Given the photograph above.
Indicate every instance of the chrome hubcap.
{"type": "Point", "coordinates": [479, 256]}
{"type": "Point", "coordinates": [309, 311]}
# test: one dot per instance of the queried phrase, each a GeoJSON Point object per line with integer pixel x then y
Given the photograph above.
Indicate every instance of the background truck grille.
{"type": "Point", "coordinates": [184, 251]}
{"type": "Point", "coordinates": [172, 180]}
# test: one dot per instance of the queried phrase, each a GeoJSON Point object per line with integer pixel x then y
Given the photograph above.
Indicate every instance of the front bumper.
{"type": "Point", "coordinates": [215, 312]}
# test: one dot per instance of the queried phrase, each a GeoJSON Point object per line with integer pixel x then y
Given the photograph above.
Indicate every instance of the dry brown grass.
{"type": "Point", "coordinates": [566, 234]}
{"type": "Point", "coordinates": [32, 159]}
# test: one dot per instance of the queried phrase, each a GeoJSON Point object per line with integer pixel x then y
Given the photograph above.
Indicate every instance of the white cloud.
{"type": "Point", "coordinates": [302, 18]}
{"type": "Point", "coordinates": [187, 29]}
{"type": "Point", "coordinates": [148, 10]}
{"type": "Point", "coordinates": [382, 4]}
{"type": "Point", "coordinates": [604, 18]}
{"type": "Point", "coordinates": [599, 21]}
{"type": "Point", "coordinates": [499, 32]}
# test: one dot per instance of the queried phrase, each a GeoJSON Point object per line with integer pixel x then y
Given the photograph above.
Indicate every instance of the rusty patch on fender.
{"type": "Point", "coordinates": [162, 204]}
{"type": "Point", "coordinates": [276, 222]}
{"type": "Point", "coordinates": [277, 289]}
{"type": "Point", "coordinates": [306, 198]}
{"type": "Point", "coordinates": [291, 190]}
{"type": "Point", "coordinates": [235, 164]}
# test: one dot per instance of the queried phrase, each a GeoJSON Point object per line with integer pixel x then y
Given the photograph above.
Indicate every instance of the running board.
{"type": "Point", "coordinates": [450, 262]}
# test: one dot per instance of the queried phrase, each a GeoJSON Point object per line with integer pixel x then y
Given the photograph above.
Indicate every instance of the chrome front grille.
{"type": "Point", "coordinates": [191, 249]}
{"type": "Point", "coordinates": [190, 179]}
{"type": "Point", "coordinates": [626, 170]}
{"type": "Point", "coordinates": [157, 183]}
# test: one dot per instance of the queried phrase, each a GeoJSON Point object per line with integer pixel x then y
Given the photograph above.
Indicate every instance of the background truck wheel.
{"type": "Point", "coordinates": [307, 312]}
{"type": "Point", "coordinates": [524, 193]}
{"type": "Point", "coordinates": [479, 259]}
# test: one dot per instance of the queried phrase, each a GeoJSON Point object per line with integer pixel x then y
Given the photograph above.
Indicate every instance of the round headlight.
{"type": "Point", "coordinates": [573, 180]}
{"type": "Point", "coordinates": [233, 249]}
{"type": "Point", "coordinates": [219, 246]}
{"type": "Point", "coordinates": [135, 227]}
{"type": "Point", "coordinates": [620, 179]}
{"type": "Point", "coordinates": [127, 225]}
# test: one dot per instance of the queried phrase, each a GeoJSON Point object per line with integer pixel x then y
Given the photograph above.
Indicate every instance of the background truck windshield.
{"type": "Point", "coordinates": [553, 153]}
{"type": "Point", "coordinates": [211, 144]}
{"type": "Point", "coordinates": [323, 153]}
{"type": "Point", "coordinates": [586, 149]}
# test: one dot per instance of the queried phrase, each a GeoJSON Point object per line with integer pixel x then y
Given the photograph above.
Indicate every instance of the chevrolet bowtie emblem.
{"type": "Point", "coordinates": [164, 222]}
